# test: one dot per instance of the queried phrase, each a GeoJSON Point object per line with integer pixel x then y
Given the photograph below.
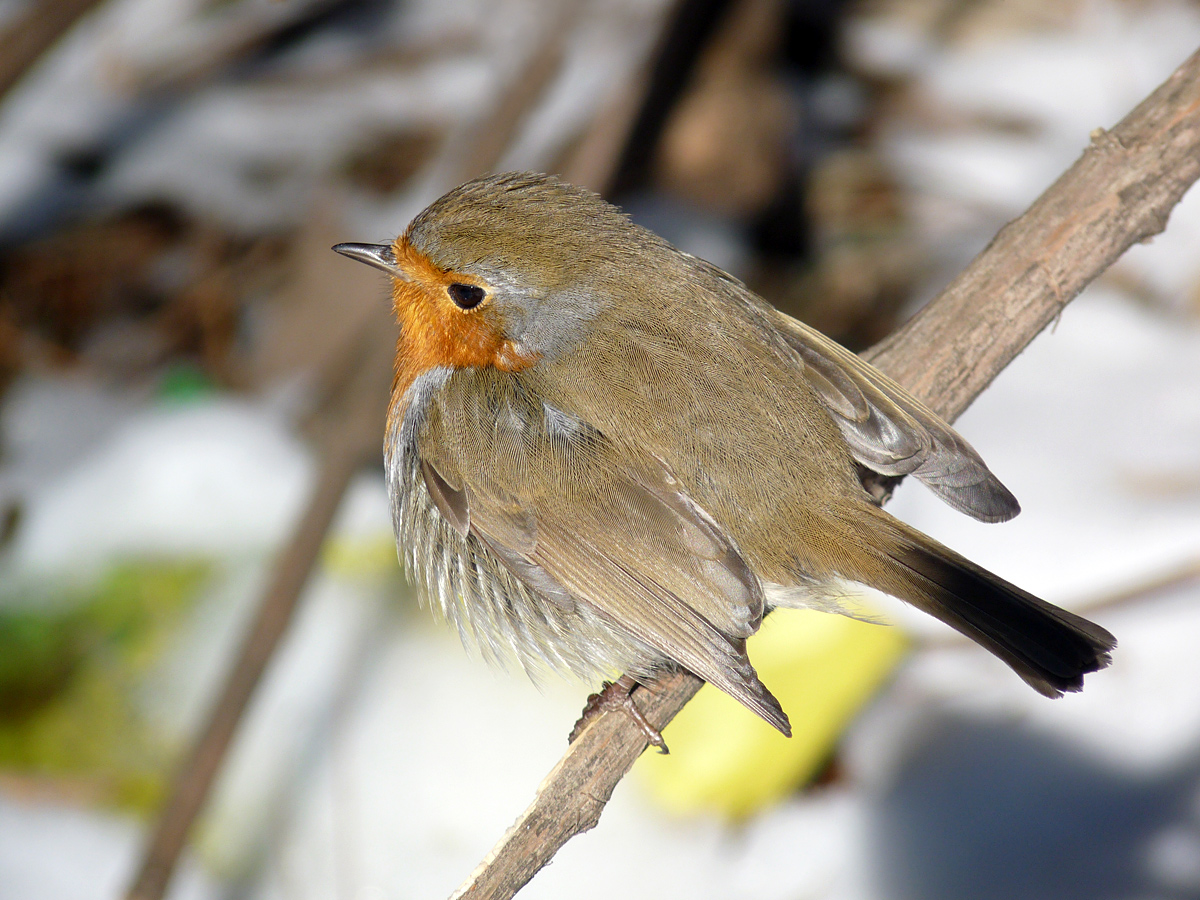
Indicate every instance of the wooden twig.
{"type": "Point", "coordinates": [1146, 587]}
{"type": "Point", "coordinates": [31, 35]}
{"type": "Point", "coordinates": [1120, 192]}
{"type": "Point", "coordinates": [354, 435]}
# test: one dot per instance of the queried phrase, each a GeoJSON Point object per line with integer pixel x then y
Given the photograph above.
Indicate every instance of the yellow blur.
{"type": "Point", "coordinates": [724, 759]}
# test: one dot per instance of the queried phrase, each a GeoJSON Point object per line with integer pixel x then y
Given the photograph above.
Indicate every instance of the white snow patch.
{"type": "Point", "coordinates": [1095, 428]}
{"type": "Point", "coordinates": [50, 851]}
{"type": "Point", "coordinates": [218, 477]}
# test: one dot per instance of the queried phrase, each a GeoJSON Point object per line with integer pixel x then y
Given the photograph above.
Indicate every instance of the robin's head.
{"type": "Point", "coordinates": [503, 271]}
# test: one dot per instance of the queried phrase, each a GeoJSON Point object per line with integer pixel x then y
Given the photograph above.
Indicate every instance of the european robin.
{"type": "Point", "coordinates": [606, 454]}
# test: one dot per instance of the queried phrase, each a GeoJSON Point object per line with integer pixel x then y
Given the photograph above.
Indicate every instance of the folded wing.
{"type": "Point", "coordinates": [892, 432]}
{"type": "Point", "coordinates": [618, 534]}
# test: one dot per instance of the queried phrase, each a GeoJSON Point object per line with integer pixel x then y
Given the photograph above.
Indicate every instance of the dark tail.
{"type": "Point", "coordinates": [1049, 647]}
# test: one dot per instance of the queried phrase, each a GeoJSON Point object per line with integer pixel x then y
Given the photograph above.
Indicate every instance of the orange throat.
{"type": "Point", "coordinates": [434, 332]}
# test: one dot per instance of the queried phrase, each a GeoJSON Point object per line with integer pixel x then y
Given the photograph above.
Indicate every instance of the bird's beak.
{"type": "Point", "coordinates": [378, 255]}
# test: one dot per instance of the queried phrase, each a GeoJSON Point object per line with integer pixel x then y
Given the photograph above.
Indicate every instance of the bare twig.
{"type": "Point", "coordinates": [1120, 192]}
{"type": "Point", "coordinates": [26, 39]}
{"type": "Point", "coordinates": [1146, 587]}
{"type": "Point", "coordinates": [575, 792]}
{"type": "Point", "coordinates": [354, 435]}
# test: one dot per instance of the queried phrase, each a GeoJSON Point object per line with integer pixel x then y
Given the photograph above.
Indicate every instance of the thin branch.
{"type": "Point", "coordinates": [1147, 587]}
{"type": "Point", "coordinates": [1121, 191]}
{"type": "Point", "coordinates": [35, 32]}
{"type": "Point", "coordinates": [353, 436]}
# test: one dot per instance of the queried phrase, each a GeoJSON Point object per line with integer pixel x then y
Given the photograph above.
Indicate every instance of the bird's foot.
{"type": "Point", "coordinates": [618, 695]}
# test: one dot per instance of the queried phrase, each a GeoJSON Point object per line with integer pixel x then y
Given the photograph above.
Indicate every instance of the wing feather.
{"type": "Point", "coordinates": [599, 527]}
{"type": "Point", "coordinates": [892, 432]}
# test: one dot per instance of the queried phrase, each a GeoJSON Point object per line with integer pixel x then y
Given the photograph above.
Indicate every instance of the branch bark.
{"type": "Point", "coordinates": [33, 34]}
{"type": "Point", "coordinates": [351, 437]}
{"type": "Point", "coordinates": [1121, 191]}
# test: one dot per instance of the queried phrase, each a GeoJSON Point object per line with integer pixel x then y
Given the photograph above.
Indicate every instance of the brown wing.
{"type": "Point", "coordinates": [892, 432]}
{"type": "Point", "coordinates": [579, 521]}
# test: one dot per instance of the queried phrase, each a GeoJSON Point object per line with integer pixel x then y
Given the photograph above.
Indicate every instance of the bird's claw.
{"type": "Point", "coordinates": [618, 695]}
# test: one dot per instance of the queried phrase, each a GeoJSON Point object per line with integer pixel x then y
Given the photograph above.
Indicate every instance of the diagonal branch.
{"type": "Point", "coordinates": [1121, 191]}
{"type": "Point", "coordinates": [33, 33]}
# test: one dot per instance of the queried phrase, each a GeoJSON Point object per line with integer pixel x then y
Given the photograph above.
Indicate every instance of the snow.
{"type": "Point", "coordinates": [214, 478]}
{"type": "Point", "coordinates": [1094, 428]}
{"type": "Point", "coordinates": [37, 837]}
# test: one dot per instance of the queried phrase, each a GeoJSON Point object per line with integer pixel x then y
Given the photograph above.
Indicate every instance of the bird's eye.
{"type": "Point", "coordinates": [466, 296]}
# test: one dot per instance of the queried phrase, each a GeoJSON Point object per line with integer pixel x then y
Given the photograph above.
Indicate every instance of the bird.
{"type": "Point", "coordinates": [605, 454]}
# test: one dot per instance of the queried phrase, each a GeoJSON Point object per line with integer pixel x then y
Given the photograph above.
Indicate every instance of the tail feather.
{"type": "Point", "coordinates": [1050, 648]}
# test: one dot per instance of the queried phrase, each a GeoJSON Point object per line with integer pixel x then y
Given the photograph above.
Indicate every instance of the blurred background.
{"type": "Point", "coordinates": [185, 369]}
